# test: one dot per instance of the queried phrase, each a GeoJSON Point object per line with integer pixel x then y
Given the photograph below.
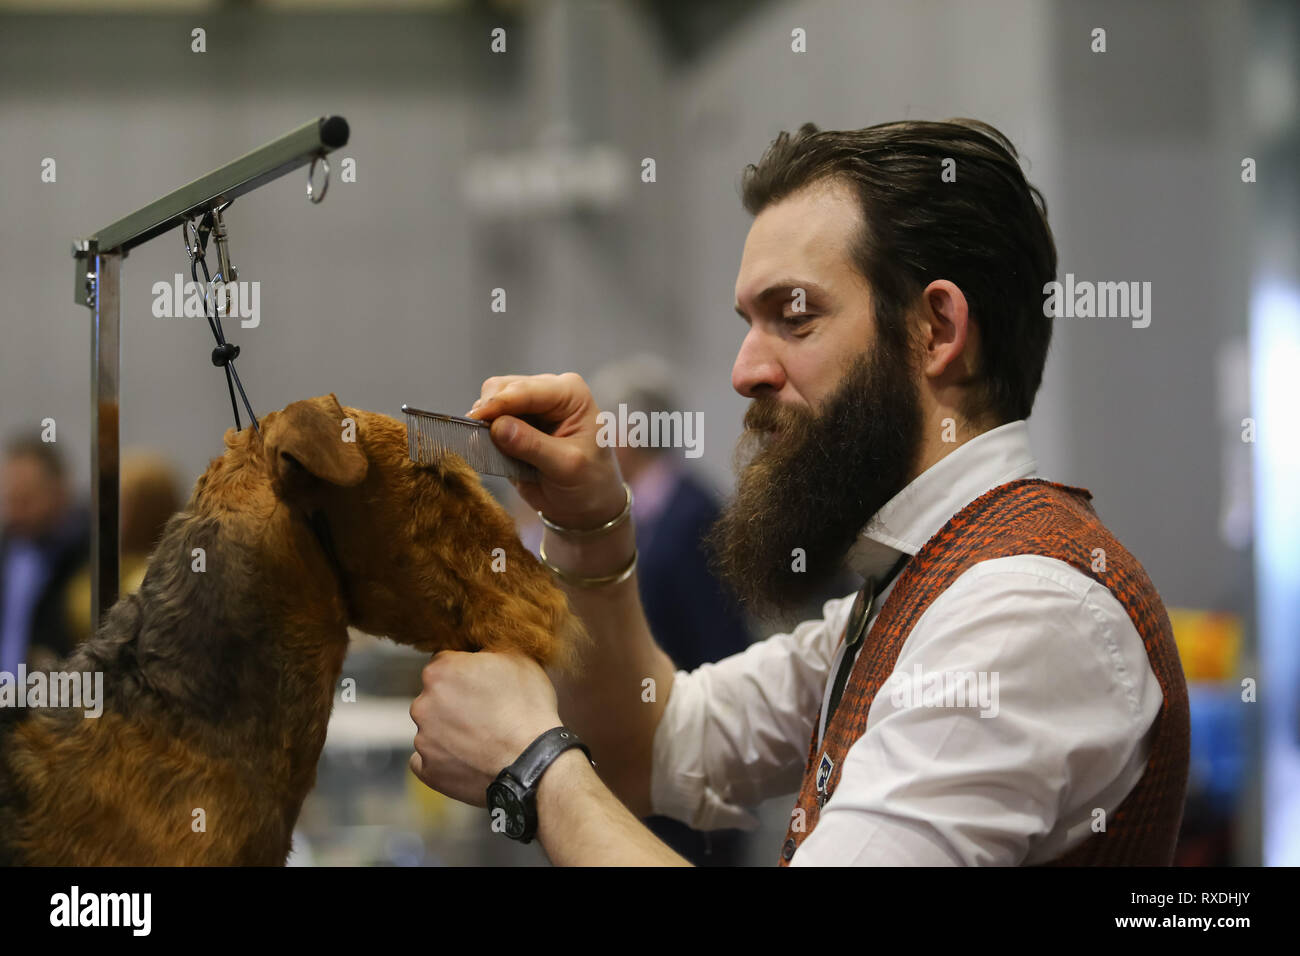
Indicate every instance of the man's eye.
{"type": "Point", "coordinates": [797, 319]}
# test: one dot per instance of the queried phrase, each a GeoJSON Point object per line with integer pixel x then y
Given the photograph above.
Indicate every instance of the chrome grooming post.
{"type": "Point", "coordinates": [96, 284]}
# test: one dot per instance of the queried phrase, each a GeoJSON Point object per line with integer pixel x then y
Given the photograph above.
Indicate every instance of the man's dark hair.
{"type": "Point", "coordinates": [45, 453]}
{"type": "Point", "coordinates": [986, 232]}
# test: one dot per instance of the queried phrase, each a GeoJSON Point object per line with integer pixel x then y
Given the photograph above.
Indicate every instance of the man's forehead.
{"type": "Point", "coordinates": [803, 241]}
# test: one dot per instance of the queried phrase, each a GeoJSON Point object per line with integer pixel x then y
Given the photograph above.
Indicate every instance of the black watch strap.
{"type": "Point", "coordinates": [541, 753]}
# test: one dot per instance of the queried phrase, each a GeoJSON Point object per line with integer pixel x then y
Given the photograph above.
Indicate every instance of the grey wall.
{"type": "Point", "coordinates": [1151, 137]}
{"type": "Point", "coordinates": [380, 294]}
{"type": "Point", "coordinates": [1137, 152]}
{"type": "Point", "coordinates": [364, 295]}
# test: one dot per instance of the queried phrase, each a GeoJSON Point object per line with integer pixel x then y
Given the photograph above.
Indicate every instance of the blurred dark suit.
{"type": "Point", "coordinates": [47, 565]}
{"type": "Point", "coordinates": [692, 618]}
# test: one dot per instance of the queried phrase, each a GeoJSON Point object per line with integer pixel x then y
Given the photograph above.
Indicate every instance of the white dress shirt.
{"type": "Point", "coordinates": [926, 785]}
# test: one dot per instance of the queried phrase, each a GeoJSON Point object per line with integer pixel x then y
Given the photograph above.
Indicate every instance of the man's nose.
{"type": "Point", "coordinates": [756, 366]}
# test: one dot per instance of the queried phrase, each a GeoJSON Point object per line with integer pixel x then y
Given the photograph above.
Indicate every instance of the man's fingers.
{"type": "Point", "coordinates": [416, 764]}
{"type": "Point", "coordinates": [550, 455]}
{"type": "Point", "coordinates": [495, 383]}
{"type": "Point", "coordinates": [489, 387]}
{"type": "Point", "coordinates": [551, 397]}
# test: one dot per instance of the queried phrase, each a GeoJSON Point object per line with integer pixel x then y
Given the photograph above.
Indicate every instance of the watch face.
{"type": "Point", "coordinates": [506, 811]}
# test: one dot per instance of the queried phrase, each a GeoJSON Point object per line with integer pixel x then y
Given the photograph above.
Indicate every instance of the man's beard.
{"type": "Point", "coordinates": [816, 482]}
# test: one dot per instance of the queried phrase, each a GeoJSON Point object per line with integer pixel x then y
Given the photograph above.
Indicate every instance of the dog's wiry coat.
{"type": "Point", "coordinates": [218, 683]}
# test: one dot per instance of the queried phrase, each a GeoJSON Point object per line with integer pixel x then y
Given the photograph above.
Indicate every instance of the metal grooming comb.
{"type": "Point", "coordinates": [430, 435]}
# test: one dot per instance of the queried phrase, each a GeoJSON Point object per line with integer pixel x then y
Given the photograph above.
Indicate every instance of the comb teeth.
{"type": "Point", "coordinates": [430, 435]}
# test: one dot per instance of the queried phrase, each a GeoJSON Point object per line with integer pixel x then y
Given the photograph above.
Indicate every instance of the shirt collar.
{"type": "Point", "coordinates": [914, 515]}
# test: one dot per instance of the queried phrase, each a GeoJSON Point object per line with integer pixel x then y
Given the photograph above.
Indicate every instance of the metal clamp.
{"type": "Point", "coordinates": [226, 272]}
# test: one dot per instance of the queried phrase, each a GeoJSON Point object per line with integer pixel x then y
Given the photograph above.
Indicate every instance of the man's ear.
{"type": "Point", "coordinates": [945, 329]}
{"type": "Point", "coordinates": [307, 438]}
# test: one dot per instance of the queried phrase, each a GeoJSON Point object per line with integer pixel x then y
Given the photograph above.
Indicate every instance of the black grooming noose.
{"type": "Point", "coordinates": [225, 353]}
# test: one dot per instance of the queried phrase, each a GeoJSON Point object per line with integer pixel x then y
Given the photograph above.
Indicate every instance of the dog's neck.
{"type": "Point", "coordinates": [247, 653]}
{"type": "Point", "coordinates": [319, 523]}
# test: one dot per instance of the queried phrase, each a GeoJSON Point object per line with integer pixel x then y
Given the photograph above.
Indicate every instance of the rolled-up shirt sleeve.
{"type": "Point", "coordinates": [736, 732]}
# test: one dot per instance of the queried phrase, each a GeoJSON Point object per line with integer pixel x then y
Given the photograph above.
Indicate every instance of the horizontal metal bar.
{"type": "Point", "coordinates": [293, 149]}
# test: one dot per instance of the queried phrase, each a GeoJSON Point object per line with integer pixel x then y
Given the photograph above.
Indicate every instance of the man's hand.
{"type": "Point", "coordinates": [478, 712]}
{"type": "Point", "coordinates": [580, 485]}
{"type": "Point", "coordinates": [476, 715]}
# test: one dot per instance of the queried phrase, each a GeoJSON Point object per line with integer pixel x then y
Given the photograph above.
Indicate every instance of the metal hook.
{"type": "Point", "coordinates": [191, 250]}
{"type": "Point", "coordinates": [325, 183]}
{"type": "Point", "coordinates": [225, 271]}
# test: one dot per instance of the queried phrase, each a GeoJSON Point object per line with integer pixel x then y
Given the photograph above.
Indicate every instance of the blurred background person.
{"type": "Point", "coordinates": [693, 618]}
{"type": "Point", "coordinates": [44, 542]}
{"type": "Point", "coordinates": [149, 496]}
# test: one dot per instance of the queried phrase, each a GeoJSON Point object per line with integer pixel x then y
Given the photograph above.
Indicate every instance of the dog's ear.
{"type": "Point", "coordinates": [314, 437]}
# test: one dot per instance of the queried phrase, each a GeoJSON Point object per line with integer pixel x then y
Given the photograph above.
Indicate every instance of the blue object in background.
{"type": "Point", "coordinates": [1219, 745]}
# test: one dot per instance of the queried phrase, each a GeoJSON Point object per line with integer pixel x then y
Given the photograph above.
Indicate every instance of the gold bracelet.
{"type": "Point", "coordinates": [609, 525]}
{"type": "Point", "coordinates": [577, 580]}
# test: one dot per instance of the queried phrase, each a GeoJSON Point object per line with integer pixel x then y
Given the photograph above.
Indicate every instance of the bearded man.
{"type": "Point", "coordinates": [1004, 690]}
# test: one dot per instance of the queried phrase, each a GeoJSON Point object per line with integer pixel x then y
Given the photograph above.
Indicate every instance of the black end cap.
{"type": "Point", "coordinates": [333, 131]}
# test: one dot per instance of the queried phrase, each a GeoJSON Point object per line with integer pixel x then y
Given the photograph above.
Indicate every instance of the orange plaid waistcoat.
{"type": "Point", "coordinates": [1030, 516]}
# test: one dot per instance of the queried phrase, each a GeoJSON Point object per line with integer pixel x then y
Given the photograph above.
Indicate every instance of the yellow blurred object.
{"type": "Point", "coordinates": [149, 497]}
{"type": "Point", "coordinates": [130, 577]}
{"type": "Point", "coordinates": [429, 807]}
{"type": "Point", "coordinates": [1209, 643]}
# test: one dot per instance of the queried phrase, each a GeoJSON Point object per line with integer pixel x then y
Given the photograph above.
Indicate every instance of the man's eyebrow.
{"type": "Point", "coordinates": [784, 285]}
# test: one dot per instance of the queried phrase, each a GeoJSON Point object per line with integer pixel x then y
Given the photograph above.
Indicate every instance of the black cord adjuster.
{"type": "Point", "coordinates": [224, 354]}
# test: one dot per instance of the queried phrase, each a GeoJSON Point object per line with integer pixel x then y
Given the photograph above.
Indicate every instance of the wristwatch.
{"type": "Point", "coordinates": [514, 791]}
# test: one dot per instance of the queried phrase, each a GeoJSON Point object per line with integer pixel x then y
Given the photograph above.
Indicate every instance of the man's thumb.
{"type": "Point", "coordinates": [518, 439]}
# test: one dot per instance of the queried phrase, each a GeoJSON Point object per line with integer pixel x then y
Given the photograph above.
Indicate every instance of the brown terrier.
{"type": "Point", "coordinates": [219, 673]}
